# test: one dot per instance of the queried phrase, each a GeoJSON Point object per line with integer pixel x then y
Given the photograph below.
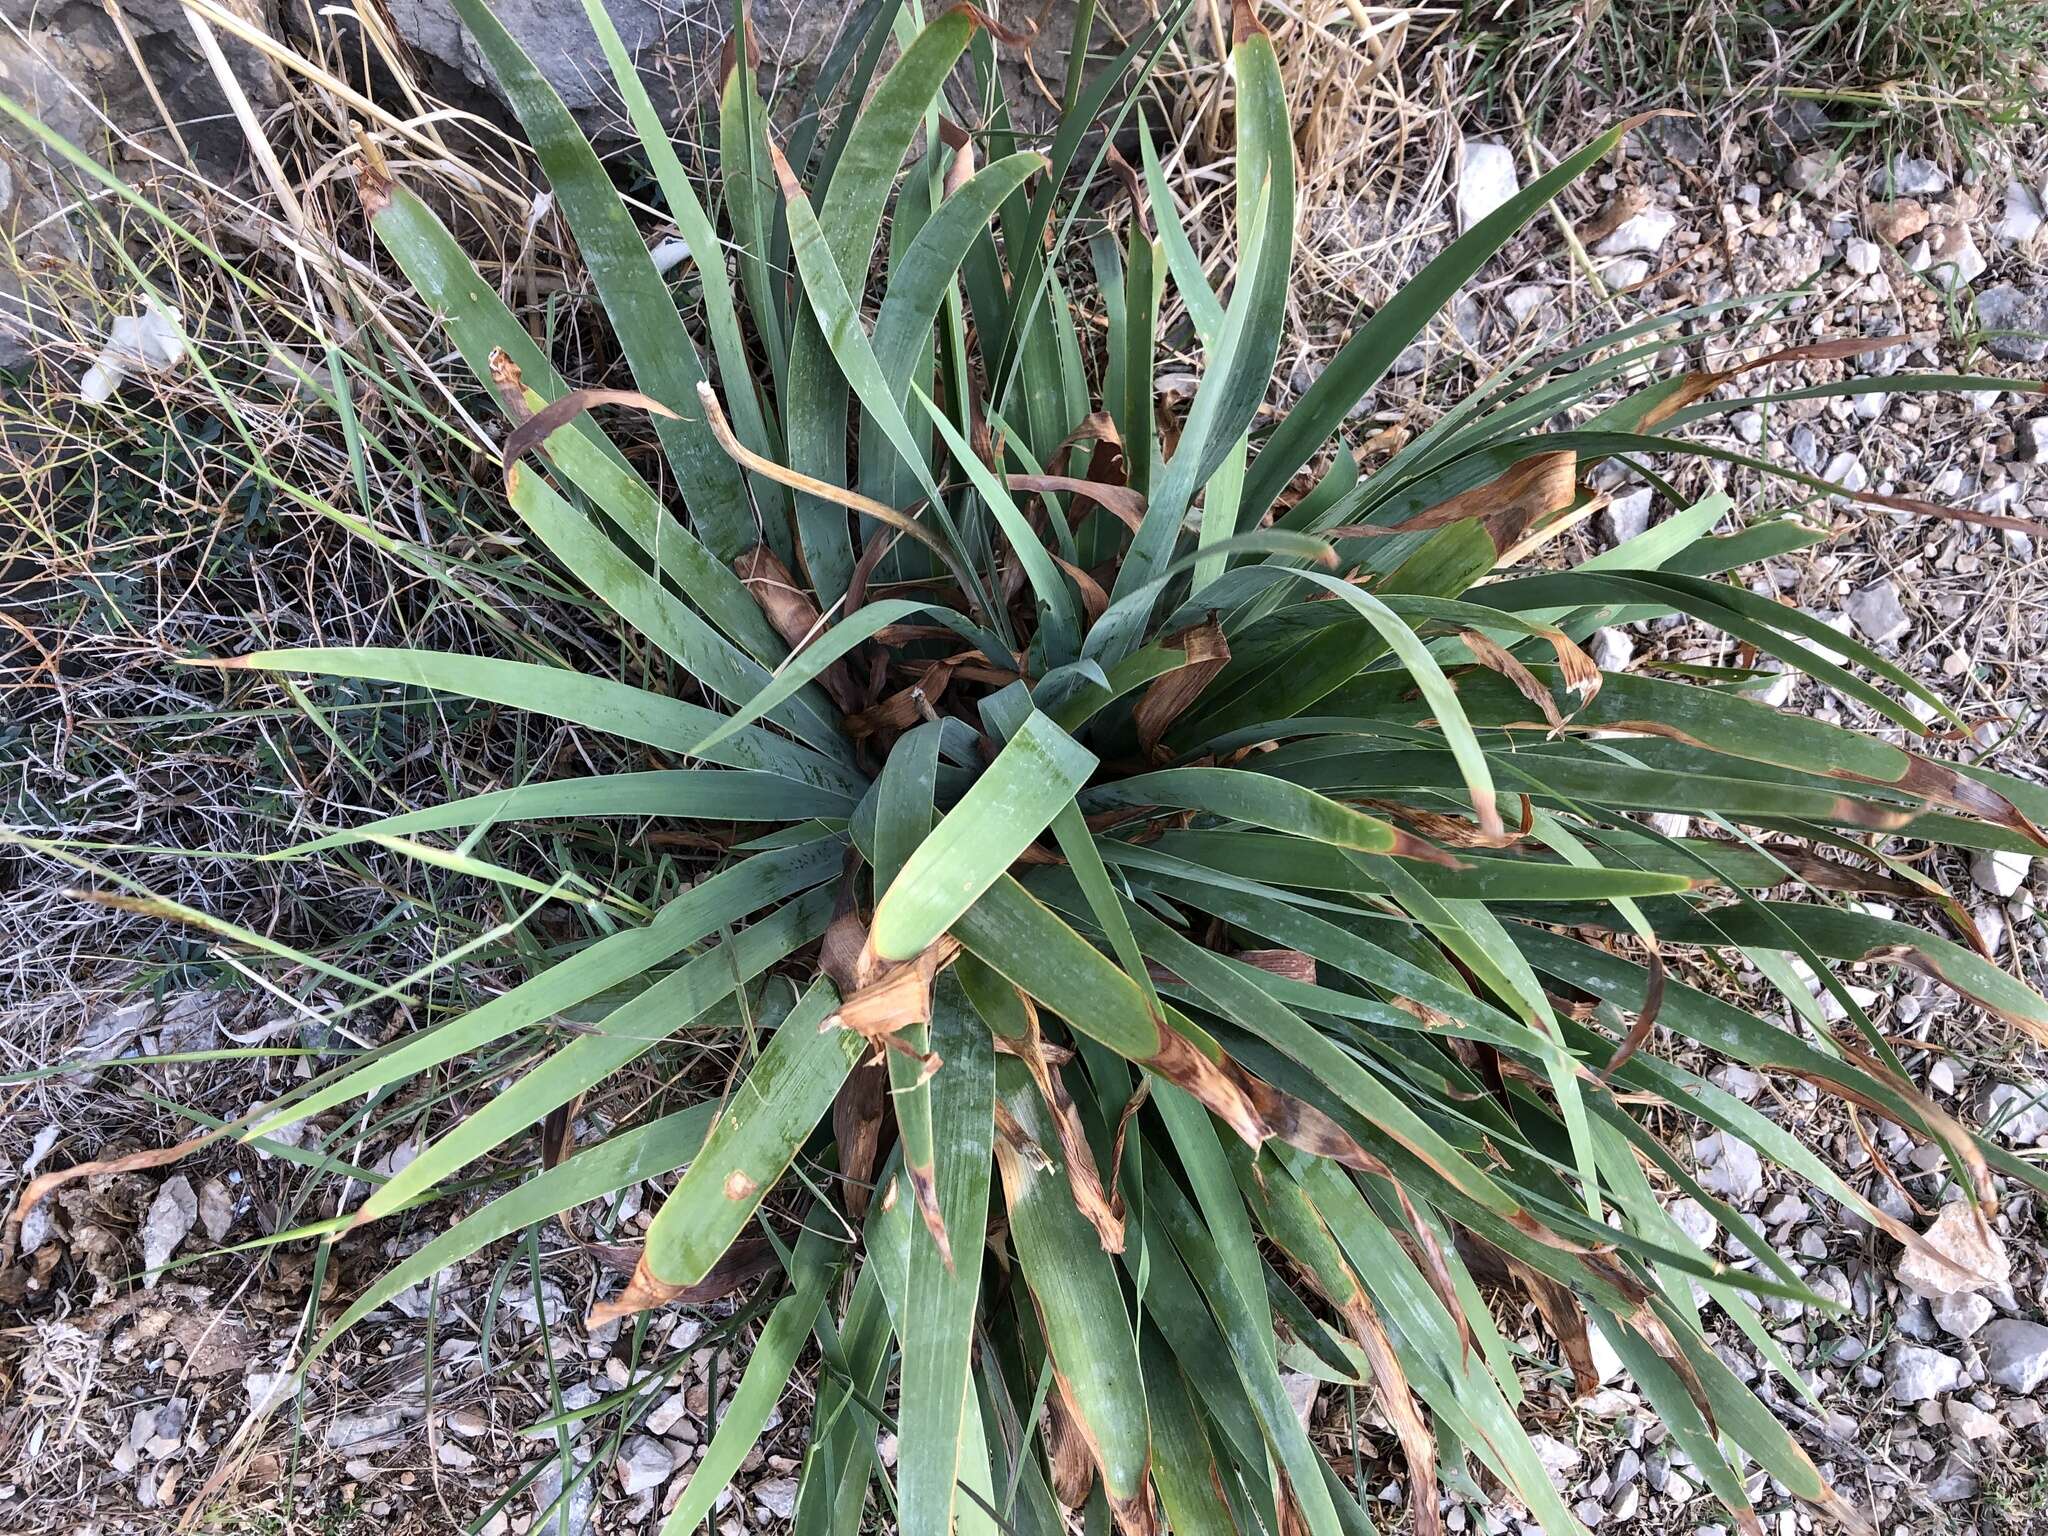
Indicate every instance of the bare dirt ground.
{"type": "Point", "coordinates": [133, 1402]}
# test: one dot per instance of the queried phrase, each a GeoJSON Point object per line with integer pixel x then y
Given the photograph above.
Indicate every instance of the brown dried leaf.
{"type": "Point", "coordinates": [1496, 658]}
{"type": "Point", "coordinates": [1292, 964]}
{"type": "Point", "coordinates": [44, 1184]}
{"type": "Point", "coordinates": [1071, 1462]}
{"type": "Point", "coordinates": [1168, 696]}
{"type": "Point", "coordinates": [559, 413]}
{"type": "Point", "coordinates": [1090, 1199]}
{"type": "Point", "coordinates": [1119, 501]}
{"type": "Point", "coordinates": [746, 1260]}
{"type": "Point", "coordinates": [1646, 1016]}
{"type": "Point", "coordinates": [1511, 508]}
{"type": "Point", "coordinates": [887, 998]}
{"type": "Point", "coordinates": [1935, 783]}
{"type": "Point", "coordinates": [793, 615]}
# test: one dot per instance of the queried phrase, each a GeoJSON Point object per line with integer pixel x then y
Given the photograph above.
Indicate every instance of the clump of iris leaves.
{"type": "Point", "coordinates": [1189, 906]}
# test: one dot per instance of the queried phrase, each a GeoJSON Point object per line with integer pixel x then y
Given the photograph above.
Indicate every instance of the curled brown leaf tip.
{"type": "Point", "coordinates": [1522, 502]}
{"type": "Point", "coordinates": [1292, 964]}
{"type": "Point", "coordinates": [44, 1184]}
{"type": "Point", "coordinates": [1015, 37]}
{"type": "Point", "coordinates": [1491, 655]}
{"type": "Point", "coordinates": [1646, 1017]}
{"type": "Point", "coordinates": [892, 995]}
{"type": "Point", "coordinates": [1169, 695]}
{"type": "Point", "coordinates": [1090, 1198]}
{"type": "Point", "coordinates": [728, 51]}
{"type": "Point", "coordinates": [556, 414]}
{"type": "Point", "coordinates": [744, 1262]}
{"type": "Point", "coordinates": [373, 176]}
{"type": "Point", "coordinates": [1245, 23]}
{"type": "Point", "coordinates": [510, 383]}
{"type": "Point", "coordinates": [1408, 846]}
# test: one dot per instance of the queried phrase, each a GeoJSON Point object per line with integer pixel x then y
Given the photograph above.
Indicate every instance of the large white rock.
{"type": "Point", "coordinates": [1646, 231]}
{"type": "Point", "coordinates": [1975, 1255]}
{"type": "Point", "coordinates": [1486, 180]}
{"type": "Point", "coordinates": [2022, 218]}
{"type": "Point", "coordinates": [2000, 872]}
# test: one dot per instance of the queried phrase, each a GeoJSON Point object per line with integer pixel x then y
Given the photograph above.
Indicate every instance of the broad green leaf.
{"type": "Point", "coordinates": [944, 1291]}
{"type": "Point", "coordinates": [1032, 778]}
{"type": "Point", "coordinates": [643, 312]}
{"type": "Point", "coordinates": [597, 702]}
{"type": "Point", "coordinates": [770, 1113]}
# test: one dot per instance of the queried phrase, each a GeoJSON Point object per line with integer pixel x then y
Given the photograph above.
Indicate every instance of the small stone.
{"type": "Point", "coordinates": [2020, 1115]}
{"type": "Point", "coordinates": [1300, 1388]}
{"type": "Point", "coordinates": [1694, 1220]}
{"type": "Point", "coordinates": [216, 1209]}
{"type": "Point", "coordinates": [1486, 180]}
{"type": "Point", "coordinates": [1963, 1313]}
{"type": "Point", "coordinates": [1730, 1167]}
{"type": "Point", "coordinates": [1625, 273]}
{"type": "Point", "coordinates": [466, 1422]}
{"type": "Point", "coordinates": [1972, 1422]}
{"type": "Point", "coordinates": [1862, 256]}
{"type": "Point", "coordinates": [1627, 515]}
{"type": "Point", "coordinates": [1749, 426]}
{"type": "Point", "coordinates": [1907, 176]}
{"type": "Point", "coordinates": [1611, 649]}
{"type": "Point", "coordinates": [1805, 446]}
{"type": "Point", "coordinates": [1953, 1482]}
{"type": "Point", "coordinates": [1786, 1210]}
{"type": "Point", "coordinates": [2000, 872]}
{"type": "Point", "coordinates": [1624, 1506]}
{"type": "Point", "coordinates": [1591, 1512]}
{"type": "Point", "coordinates": [1846, 470]}
{"type": "Point", "coordinates": [1813, 173]}
{"type": "Point", "coordinates": [2015, 1354]}
{"type": "Point", "coordinates": [159, 1432]}
{"type": "Point", "coordinates": [2030, 440]}
{"type": "Point", "coordinates": [267, 1389]}
{"type": "Point", "coordinates": [2017, 320]}
{"type": "Point", "coordinates": [1646, 231]}
{"type": "Point", "coordinates": [170, 1217]}
{"type": "Point", "coordinates": [1558, 1458]}
{"type": "Point", "coordinates": [1916, 1375]}
{"type": "Point", "coordinates": [1956, 260]}
{"type": "Point", "coordinates": [1977, 1255]}
{"type": "Point", "coordinates": [449, 1454]}
{"type": "Point", "coordinates": [356, 1430]}
{"type": "Point", "coordinates": [643, 1463]}
{"type": "Point", "coordinates": [1525, 302]}
{"type": "Point", "coordinates": [671, 1411]}
{"type": "Point", "coordinates": [1896, 223]}
{"type": "Point", "coordinates": [778, 1496]}
{"type": "Point", "coordinates": [2022, 219]}
{"type": "Point", "coordinates": [575, 1515]}
{"type": "Point", "coordinates": [1877, 613]}
{"type": "Point", "coordinates": [1737, 1080]}
{"type": "Point", "coordinates": [1990, 921]}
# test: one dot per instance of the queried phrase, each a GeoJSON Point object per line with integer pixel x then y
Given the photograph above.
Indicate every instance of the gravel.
{"type": "Point", "coordinates": [2015, 1353]}
{"type": "Point", "coordinates": [2020, 312]}
{"type": "Point", "coordinates": [1914, 1374]}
